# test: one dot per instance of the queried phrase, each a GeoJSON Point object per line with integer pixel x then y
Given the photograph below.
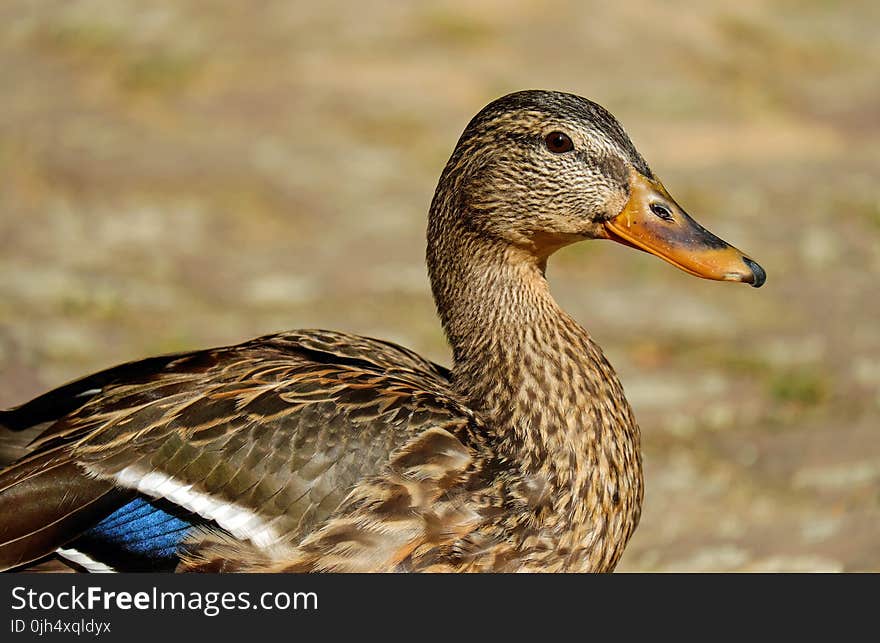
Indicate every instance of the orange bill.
{"type": "Point", "coordinates": [652, 221]}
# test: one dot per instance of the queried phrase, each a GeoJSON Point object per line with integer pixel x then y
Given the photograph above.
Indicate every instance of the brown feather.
{"type": "Point", "coordinates": [47, 501]}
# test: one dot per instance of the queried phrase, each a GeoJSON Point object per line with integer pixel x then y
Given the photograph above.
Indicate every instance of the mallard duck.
{"type": "Point", "coordinates": [314, 450]}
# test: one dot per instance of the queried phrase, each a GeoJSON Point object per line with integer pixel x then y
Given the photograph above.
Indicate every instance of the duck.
{"type": "Point", "coordinates": [323, 451]}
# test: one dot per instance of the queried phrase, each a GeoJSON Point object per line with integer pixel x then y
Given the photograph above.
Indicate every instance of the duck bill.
{"type": "Point", "coordinates": [653, 222]}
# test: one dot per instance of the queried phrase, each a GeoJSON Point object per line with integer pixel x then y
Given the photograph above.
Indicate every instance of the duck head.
{"type": "Point", "coordinates": [540, 170]}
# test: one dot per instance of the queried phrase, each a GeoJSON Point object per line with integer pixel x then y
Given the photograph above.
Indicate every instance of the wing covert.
{"type": "Point", "coordinates": [265, 438]}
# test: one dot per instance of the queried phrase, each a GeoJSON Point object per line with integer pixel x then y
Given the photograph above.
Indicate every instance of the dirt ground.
{"type": "Point", "coordinates": [176, 175]}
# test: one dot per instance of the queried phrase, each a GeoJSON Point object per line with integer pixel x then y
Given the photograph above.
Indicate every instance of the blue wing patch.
{"type": "Point", "coordinates": [143, 535]}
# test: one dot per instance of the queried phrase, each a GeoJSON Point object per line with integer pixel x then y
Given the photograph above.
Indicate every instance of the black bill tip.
{"type": "Point", "coordinates": [758, 274]}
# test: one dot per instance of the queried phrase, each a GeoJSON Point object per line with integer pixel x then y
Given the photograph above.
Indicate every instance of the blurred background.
{"type": "Point", "coordinates": [177, 175]}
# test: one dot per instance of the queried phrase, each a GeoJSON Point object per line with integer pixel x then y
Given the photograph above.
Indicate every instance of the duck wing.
{"type": "Point", "coordinates": [257, 443]}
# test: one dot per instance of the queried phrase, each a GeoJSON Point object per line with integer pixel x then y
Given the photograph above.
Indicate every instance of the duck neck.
{"type": "Point", "coordinates": [539, 380]}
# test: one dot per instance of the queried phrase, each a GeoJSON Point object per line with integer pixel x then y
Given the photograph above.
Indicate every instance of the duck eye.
{"type": "Point", "coordinates": [661, 211]}
{"type": "Point", "coordinates": [557, 142]}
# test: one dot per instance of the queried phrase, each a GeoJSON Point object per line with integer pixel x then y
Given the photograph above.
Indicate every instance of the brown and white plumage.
{"type": "Point", "coordinates": [322, 451]}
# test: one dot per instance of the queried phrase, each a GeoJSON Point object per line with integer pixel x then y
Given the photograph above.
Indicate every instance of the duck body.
{"type": "Point", "coordinates": [315, 450]}
{"type": "Point", "coordinates": [271, 436]}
